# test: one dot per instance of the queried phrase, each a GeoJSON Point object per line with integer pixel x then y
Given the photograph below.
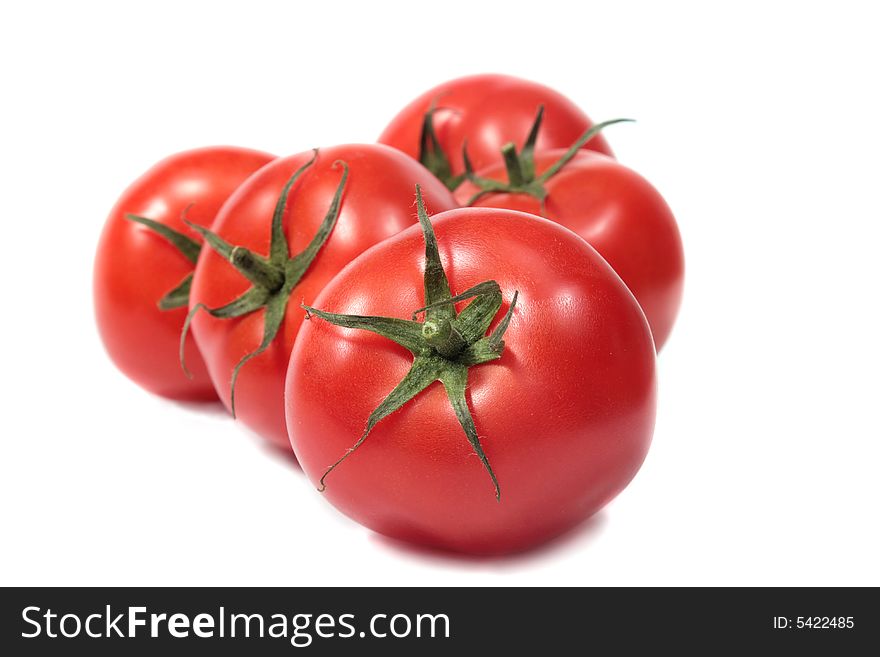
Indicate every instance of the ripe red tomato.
{"type": "Point", "coordinates": [619, 213]}
{"type": "Point", "coordinates": [136, 267]}
{"type": "Point", "coordinates": [376, 203]}
{"type": "Point", "coordinates": [486, 112]}
{"type": "Point", "coordinates": [564, 415]}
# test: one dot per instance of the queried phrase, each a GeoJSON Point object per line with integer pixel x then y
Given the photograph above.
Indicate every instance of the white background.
{"type": "Point", "coordinates": [758, 122]}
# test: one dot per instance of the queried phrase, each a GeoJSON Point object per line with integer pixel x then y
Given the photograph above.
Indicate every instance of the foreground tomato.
{"type": "Point", "coordinates": [288, 247]}
{"type": "Point", "coordinates": [524, 436]}
{"type": "Point", "coordinates": [612, 207]}
{"type": "Point", "coordinates": [142, 268]}
{"type": "Point", "coordinates": [486, 112]}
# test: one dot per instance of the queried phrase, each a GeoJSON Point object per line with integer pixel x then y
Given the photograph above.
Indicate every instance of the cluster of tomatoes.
{"type": "Point", "coordinates": [454, 329]}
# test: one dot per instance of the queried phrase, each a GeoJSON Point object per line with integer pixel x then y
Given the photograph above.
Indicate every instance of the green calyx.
{"type": "Point", "coordinates": [431, 153]}
{"type": "Point", "coordinates": [272, 278]}
{"type": "Point", "coordinates": [178, 297]}
{"type": "Point", "coordinates": [444, 346]}
{"type": "Point", "coordinates": [521, 178]}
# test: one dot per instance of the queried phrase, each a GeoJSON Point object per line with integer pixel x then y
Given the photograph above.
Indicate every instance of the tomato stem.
{"type": "Point", "coordinates": [515, 174]}
{"type": "Point", "coordinates": [256, 269]}
{"type": "Point", "coordinates": [520, 167]}
{"type": "Point", "coordinates": [444, 347]}
{"type": "Point", "coordinates": [272, 278]}
{"type": "Point", "coordinates": [442, 335]}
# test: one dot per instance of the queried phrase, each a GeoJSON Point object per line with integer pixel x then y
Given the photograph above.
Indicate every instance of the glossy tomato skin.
{"type": "Point", "coordinates": [488, 111]}
{"type": "Point", "coordinates": [377, 203]}
{"type": "Point", "coordinates": [565, 416]}
{"type": "Point", "coordinates": [135, 267]}
{"type": "Point", "coordinates": [621, 215]}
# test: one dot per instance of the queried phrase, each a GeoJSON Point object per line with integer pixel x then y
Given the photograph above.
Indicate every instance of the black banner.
{"type": "Point", "coordinates": [333, 621]}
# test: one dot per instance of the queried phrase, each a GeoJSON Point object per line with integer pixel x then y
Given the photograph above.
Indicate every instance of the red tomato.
{"type": "Point", "coordinates": [376, 203]}
{"type": "Point", "coordinates": [487, 111]}
{"type": "Point", "coordinates": [564, 416]}
{"type": "Point", "coordinates": [619, 213]}
{"type": "Point", "coordinates": [136, 267]}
